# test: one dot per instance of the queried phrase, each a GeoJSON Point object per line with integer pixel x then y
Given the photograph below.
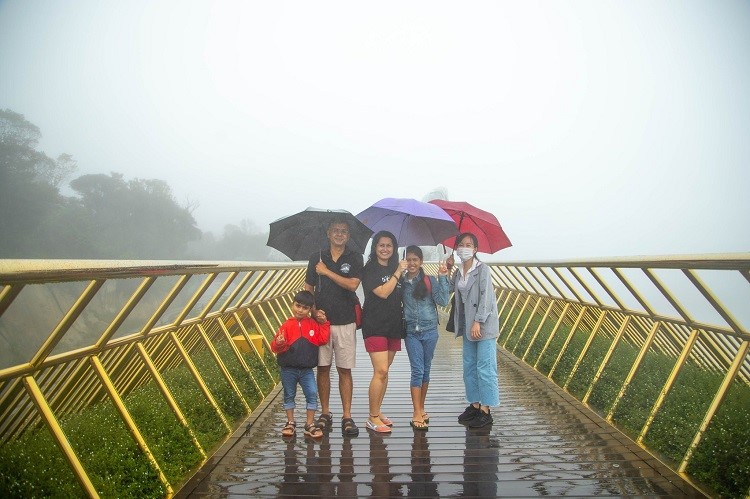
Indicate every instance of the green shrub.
{"type": "Point", "coordinates": [721, 462]}
{"type": "Point", "coordinates": [33, 466]}
{"type": "Point", "coordinates": [724, 450]}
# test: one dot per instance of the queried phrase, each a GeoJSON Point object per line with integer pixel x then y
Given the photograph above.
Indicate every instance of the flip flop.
{"type": "Point", "coordinates": [426, 418]}
{"type": "Point", "coordinates": [419, 425]}
{"type": "Point", "coordinates": [386, 420]}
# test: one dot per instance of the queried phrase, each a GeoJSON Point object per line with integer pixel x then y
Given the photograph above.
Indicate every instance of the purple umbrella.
{"type": "Point", "coordinates": [411, 221]}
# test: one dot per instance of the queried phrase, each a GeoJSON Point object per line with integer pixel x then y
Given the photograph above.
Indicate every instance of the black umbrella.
{"type": "Point", "coordinates": [298, 236]}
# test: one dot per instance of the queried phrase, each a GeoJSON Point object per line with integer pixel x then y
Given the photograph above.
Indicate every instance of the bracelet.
{"type": "Point", "coordinates": [394, 275]}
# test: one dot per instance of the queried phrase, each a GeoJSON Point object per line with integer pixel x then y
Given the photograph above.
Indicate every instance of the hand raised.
{"type": "Point", "coordinates": [442, 268]}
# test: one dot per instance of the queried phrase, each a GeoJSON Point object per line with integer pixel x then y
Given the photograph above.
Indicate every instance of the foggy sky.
{"type": "Point", "coordinates": [590, 128]}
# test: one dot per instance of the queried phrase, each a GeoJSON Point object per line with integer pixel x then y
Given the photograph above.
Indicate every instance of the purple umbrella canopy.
{"type": "Point", "coordinates": [411, 221]}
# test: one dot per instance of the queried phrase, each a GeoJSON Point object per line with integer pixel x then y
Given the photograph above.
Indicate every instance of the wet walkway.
{"type": "Point", "coordinates": [543, 443]}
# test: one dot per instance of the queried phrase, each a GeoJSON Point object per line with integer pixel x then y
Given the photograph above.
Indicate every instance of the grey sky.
{"type": "Point", "coordinates": [591, 128]}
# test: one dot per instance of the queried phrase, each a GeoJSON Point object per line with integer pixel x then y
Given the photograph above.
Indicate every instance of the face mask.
{"type": "Point", "coordinates": [465, 253]}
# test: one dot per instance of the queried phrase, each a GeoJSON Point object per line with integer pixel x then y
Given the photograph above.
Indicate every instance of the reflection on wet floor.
{"type": "Point", "coordinates": [480, 463]}
{"type": "Point", "coordinates": [422, 479]}
{"type": "Point", "coordinates": [542, 443]}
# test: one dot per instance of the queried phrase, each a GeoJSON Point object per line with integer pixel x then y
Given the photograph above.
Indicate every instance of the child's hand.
{"type": "Point", "coordinates": [320, 316]}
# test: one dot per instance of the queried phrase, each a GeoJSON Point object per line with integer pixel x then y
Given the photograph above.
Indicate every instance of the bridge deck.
{"type": "Point", "coordinates": [543, 443]}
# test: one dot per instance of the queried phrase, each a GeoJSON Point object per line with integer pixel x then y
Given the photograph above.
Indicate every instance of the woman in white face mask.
{"type": "Point", "coordinates": [476, 320]}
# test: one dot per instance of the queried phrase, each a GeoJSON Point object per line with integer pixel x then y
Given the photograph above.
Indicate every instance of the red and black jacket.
{"type": "Point", "coordinates": [302, 341]}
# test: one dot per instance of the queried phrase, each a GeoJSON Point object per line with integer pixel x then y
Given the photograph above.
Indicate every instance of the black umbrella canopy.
{"type": "Point", "coordinates": [298, 236]}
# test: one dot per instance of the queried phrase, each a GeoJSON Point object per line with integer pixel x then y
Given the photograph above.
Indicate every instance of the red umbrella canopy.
{"type": "Point", "coordinates": [483, 224]}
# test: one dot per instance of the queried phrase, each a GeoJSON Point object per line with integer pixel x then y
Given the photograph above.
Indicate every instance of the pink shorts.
{"type": "Point", "coordinates": [382, 344]}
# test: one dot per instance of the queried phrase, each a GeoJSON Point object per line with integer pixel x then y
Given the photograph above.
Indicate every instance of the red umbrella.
{"type": "Point", "coordinates": [482, 224]}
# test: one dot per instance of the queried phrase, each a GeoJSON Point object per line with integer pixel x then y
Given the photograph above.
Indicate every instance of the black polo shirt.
{"type": "Point", "coordinates": [337, 302]}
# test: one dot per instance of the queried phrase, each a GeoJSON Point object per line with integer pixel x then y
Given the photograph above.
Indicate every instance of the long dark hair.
{"type": "Point", "coordinates": [420, 288]}
{"type": "Point", "coordinates": [393, 260]}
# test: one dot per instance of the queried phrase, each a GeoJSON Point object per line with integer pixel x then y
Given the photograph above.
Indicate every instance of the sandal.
{"type": "Point", "coordinates": [349, 428]}
{"type": "Point", "coordinates": [313, 431]}
{"type": "Point", "coordinates": [377, 428]}
{"type": "Point", "coordinates": [426, 418]}
{"type": "Point", "coordinates": [419, 425]}
{"type": "Point", "coordinates": [289, 430]}
{"type": "Point", "coordinates": [325, 421]}
{"type": "Point", "coordinates": [386, 420]}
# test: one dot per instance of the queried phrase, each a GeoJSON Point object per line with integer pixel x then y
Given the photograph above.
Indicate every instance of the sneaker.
{"type": "Point", "coordinates": [482, 419]}
{"type": "Point", "coordinates": [469, 413]}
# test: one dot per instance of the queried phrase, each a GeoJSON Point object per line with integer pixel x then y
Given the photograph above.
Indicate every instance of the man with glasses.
{"type": "Point", "coordinates": [333, 274]}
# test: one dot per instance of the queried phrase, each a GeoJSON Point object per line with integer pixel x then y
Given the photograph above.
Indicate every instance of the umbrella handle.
{"type": "Point", "coordinates": [320, 256]}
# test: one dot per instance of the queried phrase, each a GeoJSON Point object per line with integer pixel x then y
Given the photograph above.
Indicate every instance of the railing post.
{"type": "Point", "coordinates": [57, 433]}
{"type": "Point", "coordinates": [128, 420]}
{"type": "Point", "coordinates": [716, 402]}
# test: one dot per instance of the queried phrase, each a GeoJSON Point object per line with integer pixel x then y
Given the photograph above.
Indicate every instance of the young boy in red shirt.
{"type": "Point", "coordinates": [296, 347]}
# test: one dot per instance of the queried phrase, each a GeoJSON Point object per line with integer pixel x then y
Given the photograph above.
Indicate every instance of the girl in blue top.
{"type": "Point", "coordinates": [421, 293]}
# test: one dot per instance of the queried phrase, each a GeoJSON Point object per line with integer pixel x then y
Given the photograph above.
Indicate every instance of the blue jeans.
{"type": "Point", "coordinates": [480, 371]}
{"type": "Point", "coordinates": [420, 345]}
{"type": "Point", "coordinates": [290, 376]}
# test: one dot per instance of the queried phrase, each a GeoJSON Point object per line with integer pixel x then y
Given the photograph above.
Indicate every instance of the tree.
{"type": "Point", "coordinates": [135, 219]}
{"type": "Point", "coordinates": [238, 242]}
{"type": "Point", "coordinates": [29, 188]}
{"type": "Point", "coordinates": [109, 217]}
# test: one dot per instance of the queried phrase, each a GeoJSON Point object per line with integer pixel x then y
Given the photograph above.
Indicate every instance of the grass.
{"type": "Point", "coordinates": [721, 461]}
{"type": "Point", "coordinates": [33, 466]}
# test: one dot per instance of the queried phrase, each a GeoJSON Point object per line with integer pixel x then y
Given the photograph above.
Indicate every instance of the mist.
{"type": "Point", "coordinates": [590, 129]}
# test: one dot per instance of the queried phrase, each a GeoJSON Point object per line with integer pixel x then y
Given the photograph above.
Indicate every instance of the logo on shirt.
{"type": "Point", "coordinates": [345, 268]}
{"type": "Point", "coordinates": [312, 333]}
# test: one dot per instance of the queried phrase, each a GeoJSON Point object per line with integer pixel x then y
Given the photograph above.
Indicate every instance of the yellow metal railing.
{"type": "Point", "coordinates": [76, 333]}
{"type": "Point", "coordinates": [619, 335]}
{"type": "Point", "coordinates": [625, 332]}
